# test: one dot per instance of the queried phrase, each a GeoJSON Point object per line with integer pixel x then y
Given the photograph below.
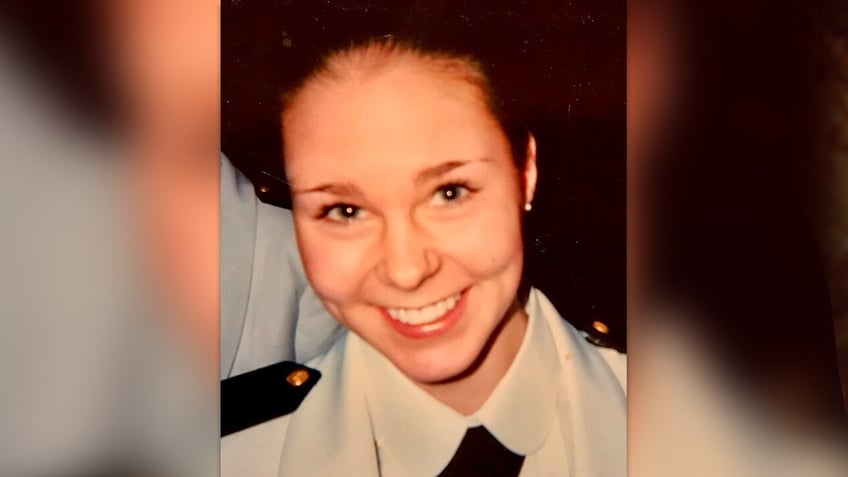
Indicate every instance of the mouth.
{"type": "Point", "coordinates": [419, 316]}
{"type": "Point", "coordinates": [427, 321]}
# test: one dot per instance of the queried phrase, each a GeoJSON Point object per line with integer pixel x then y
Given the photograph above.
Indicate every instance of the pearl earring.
{"type": "Point", "coordinates": [528, 207]}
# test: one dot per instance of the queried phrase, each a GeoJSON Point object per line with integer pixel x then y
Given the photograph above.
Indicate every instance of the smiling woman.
{"type": "Point", "coordinates": [411, 178]}
{"type": "Point", "coordinates": [418, 178]}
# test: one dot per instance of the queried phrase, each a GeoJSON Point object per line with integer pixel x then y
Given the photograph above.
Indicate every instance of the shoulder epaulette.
{"type": "Point", "coordinates": [600, 334]}
{"type": "Point", "coordinates": [264, 394]}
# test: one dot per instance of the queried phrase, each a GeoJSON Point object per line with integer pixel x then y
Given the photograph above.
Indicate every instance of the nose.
{"type": "Point", "coordinates": [407, 260]}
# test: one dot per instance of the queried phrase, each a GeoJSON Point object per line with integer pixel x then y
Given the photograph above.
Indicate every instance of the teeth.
{"type": "Point", "coordinates": [418, 316]}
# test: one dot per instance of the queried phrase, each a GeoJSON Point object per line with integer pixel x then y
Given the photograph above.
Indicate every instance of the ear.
{"type": "Point", "coordinates": [530, 170]}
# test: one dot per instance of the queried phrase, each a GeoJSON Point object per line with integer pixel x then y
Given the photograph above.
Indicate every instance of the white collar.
{"type": "Point", "coordinates": [519, 412]}
{"type": "Point", "coordinates": [332, 432]}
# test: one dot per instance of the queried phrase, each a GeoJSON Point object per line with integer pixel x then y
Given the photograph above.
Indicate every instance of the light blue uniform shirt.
{"type": "Point", "coordinates": [268, 311]}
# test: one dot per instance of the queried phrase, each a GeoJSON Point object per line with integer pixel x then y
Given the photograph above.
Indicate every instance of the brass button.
{"type": "Point", "coordinates": [264, 189]}
{"type": "Point", "coordinates": [298, 377]}
{"type": "Point", "coordinates": [600, 327]}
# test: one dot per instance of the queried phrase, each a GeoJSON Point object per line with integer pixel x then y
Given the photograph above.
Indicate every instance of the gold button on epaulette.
{"type": "Point", "coordinates": [298, 377]}
{"type": "Point", "coordinates": [599, 333]}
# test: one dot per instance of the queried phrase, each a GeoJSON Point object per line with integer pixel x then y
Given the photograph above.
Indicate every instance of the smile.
{"type": "Point", "coordinates": [419, 316]}
{"type": "Point", "coordinates": [429, 321]}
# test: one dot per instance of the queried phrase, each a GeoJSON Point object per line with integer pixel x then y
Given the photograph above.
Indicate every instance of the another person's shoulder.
{"type": "Point", "coordinates": [256, 408]}
{"type": "Point", "coordinates": [264, 394]}
{"type": "Point", "coordinates": [261, 395]}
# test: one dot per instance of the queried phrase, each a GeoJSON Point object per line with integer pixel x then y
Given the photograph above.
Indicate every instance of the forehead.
{"type": "Point", "coordinates": [407, 114]}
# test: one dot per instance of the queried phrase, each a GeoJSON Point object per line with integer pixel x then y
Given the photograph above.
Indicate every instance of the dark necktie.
{"type": "Point", "coordinates": [480, 454]}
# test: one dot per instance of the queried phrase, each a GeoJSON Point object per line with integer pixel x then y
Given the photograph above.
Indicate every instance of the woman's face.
{"type": "Point", "coordinates": [407, 208]}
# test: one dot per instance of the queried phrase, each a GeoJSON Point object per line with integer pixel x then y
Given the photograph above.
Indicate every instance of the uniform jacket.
{"type": "Point", "coordinates": [331, 433]}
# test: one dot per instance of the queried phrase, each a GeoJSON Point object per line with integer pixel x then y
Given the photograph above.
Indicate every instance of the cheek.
{"type": "Point", "coordinates": [334, 266]}
{"type": "Point", "coordinates": [487, 242]}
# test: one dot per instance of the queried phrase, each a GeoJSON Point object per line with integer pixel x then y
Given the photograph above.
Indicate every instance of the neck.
{"type": "Point", "coordinates": [467, 393]}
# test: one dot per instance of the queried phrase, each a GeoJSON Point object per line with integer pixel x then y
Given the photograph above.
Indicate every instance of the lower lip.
{"type": "Point", "coordinates": [432, 329]}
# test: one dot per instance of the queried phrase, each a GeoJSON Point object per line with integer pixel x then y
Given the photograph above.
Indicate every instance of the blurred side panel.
{"type": "Point", "coordinates": [735, 206]}
{"type": "Point", "coordinates": [108, 249]}
{"type": "Point", "coordinates": [831, 202]}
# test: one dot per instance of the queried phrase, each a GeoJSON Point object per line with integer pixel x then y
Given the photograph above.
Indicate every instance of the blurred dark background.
{"type": "Point", "coordinates": [563, 67]}
{"type": "Point", "coordinates": [736, 192]}
{"type": "Point", "coordinates": [62, 43]}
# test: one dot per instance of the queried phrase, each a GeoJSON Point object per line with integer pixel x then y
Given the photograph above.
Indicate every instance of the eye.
{"type": "Point", "coordinates": [342, 212]}
{"type": "Point", "coordinates": [450, 193]}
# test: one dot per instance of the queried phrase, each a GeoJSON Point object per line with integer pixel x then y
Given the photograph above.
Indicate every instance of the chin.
{"type": "Point", "coordinates": [439, 370]}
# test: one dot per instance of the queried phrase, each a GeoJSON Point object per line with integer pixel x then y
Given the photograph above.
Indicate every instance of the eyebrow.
{"type": "Point", "coordinates": [351, 190]}
{"type": "Point", "coordinates": [434, 172]}
{"type": "Point", "coordinates": [337, 188]}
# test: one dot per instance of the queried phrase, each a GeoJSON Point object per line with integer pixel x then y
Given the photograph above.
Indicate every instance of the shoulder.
{"type": "Point", "coordinates": [608, 343]}
{"type": "Point", "coordinates": [617, 362]}
{"type": "Point", "coordinates": [255, 412]}
{"type": "Point", "coordinates": [254, 451]}
{"type": "Point", "coordinates": [236, 189]}
{"type": "Point", "coordinates": [261, 395]}
{"type": "Point", "coordinates": [259, 410]}
{"type": "Point", "coordinates": [237, 242]}
{"type": "Point", "coordinates": [590, 342]}
{"type": "Point", "coordinates": [242, 213]}
{"type": "Point", "coordinates": [264, 394]}
{"type": "Point", "coordinates": [261, 278]}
